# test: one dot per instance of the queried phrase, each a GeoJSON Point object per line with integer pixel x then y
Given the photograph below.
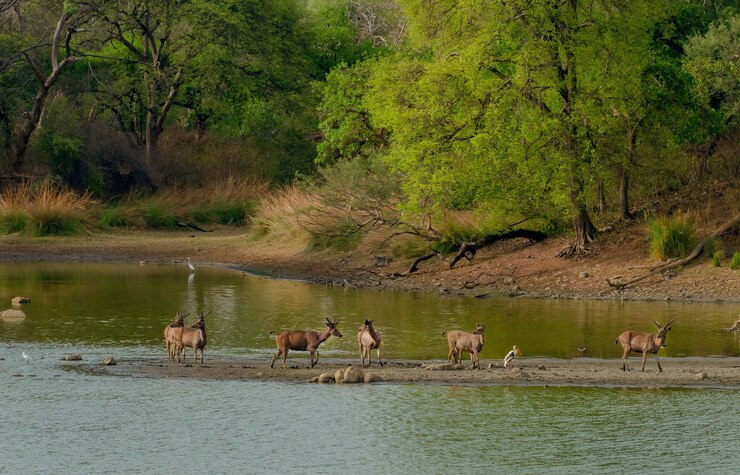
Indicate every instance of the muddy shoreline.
{"type": "Point", "coordinates": [704, 372]}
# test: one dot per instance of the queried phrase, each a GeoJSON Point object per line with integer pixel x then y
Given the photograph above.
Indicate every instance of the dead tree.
{"type": "Point", "coordinates": [682, 262]}
{"type": "Point", "coordinates": [469, 249]}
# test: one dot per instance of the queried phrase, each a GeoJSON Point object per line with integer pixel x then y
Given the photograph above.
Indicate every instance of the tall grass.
{"type": "Point", "coordinates": [277, 214]}
{"type": "Point", "coordinates": [735, 261]}
{"type": "Point", "coordinates": [45, 208]}
{"type": "Point", "coordinates": [671, 237]}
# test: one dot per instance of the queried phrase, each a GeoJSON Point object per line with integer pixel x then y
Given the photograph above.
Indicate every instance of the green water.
{"type": "Point", "coordinates": [58, 421]}
{"type": "Point", "coordinates": [130, 305]}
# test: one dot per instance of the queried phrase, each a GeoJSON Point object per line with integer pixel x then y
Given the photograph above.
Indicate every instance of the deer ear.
{"type": "Point", "coordinates": [657, 324]}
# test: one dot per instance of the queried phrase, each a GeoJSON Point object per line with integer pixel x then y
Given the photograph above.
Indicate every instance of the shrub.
{"type": "Point", "coordinates": [717, 258]}
{"type": "Point", "coordinates": [735, 261]}
{"type": "Point", "coordinates": [117, 216]}
{"type": "Point", "coordinates": [12, 221]}
{"type": "Point", "coordinates": [159, 215]}
{"type": "Point", "coordinates": [712, 247]}
{"type": "Point", "coordinates": [670, 237]}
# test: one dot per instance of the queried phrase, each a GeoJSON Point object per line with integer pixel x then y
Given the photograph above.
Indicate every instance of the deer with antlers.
{"type": "Point", "coordinates": [644, 343]}
{"type": "Point", "coordinates": [303, 340]}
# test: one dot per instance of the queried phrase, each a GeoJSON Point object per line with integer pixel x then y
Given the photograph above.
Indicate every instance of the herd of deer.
{"type": "Point", "coordinates": [177, 337]}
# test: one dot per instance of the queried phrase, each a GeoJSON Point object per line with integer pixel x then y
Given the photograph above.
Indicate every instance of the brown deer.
{"type": "Point", "coordinates": [303, 340]}
{"type": "Point", "coordinates": [194, 337]}
{"type": "Point", "coordinates": [173, 334]}
{"type": "Point", "coordinates": [643, 343]}
{"type": "Point", "coordinates": [368, 339]}
{"type": "Point", "coordinates": [459, 341]}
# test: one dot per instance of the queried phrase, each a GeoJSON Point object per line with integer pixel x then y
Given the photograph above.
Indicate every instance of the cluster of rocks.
{"type": "Point", "coordinates": [15, 312]}
{"type": "Point", "coordinates": [348, 375]}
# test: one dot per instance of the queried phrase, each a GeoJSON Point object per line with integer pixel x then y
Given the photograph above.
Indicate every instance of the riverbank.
{"type": "Point", "coordinates": [583, 372]}
{"type": "Point", "coordinates": [514, 268]}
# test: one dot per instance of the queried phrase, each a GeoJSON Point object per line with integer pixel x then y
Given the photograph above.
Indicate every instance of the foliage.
{"type": "Point", "coordinates": [670, 237]}
{"type": "Point", "coordinates": [735, 261]}
{"type": "Point", "coordinates": [713, 246]}
{"type": "Point", "coordinates": [717, 258]}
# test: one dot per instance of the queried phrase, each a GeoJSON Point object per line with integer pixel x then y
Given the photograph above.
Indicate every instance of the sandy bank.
{"type": "Point", "coordinates": [581, 372]}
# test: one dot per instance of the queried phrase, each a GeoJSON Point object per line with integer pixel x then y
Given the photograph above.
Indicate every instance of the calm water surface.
{"type": "Point", "coordinates": [57, 421]}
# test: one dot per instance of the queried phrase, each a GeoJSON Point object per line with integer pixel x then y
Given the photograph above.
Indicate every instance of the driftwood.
{"type": "Point", "coordinates": [193, 226]}
{"type": "Point", "coordinates": [469, 249]}
{"type": "Point", "coordinates": [415, 265]}
{"type": "Point", "coordinates": [679, 263]}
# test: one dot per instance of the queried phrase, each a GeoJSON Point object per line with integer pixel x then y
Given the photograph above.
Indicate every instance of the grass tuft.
{"type": "Point", "coordinates": [670, 237]}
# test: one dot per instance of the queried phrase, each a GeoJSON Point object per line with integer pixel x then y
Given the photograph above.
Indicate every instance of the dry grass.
{"type": "Point", "coordinates": [278, 214]}
{"type": "Point", "coordinates": [45, 208]}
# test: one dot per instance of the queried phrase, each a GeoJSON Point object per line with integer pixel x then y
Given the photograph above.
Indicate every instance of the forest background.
{"type": "Point", "coordinates": [406, 126]}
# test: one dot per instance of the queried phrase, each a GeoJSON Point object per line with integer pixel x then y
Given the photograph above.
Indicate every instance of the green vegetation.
{"type": "Point", "coordinates": [432, 123]}
{"type": "Point", "coordinates": [717, 258]}
{"type": "Point", "coordinates": [735, 261]}
{"type": "Point", "coordinates": [670, 237]}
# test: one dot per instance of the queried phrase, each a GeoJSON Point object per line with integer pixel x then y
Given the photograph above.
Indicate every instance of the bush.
{"type": "Point", "coordinates": [712, 247]}
{"type": "Point", "coordinates": [670, 237]}
{"type": "Point", "coordinates": [44, 208]}
{"type": "Point", "coordinates": [159, 216]}
{"type": "Point", "coordinates": [717, 258]}
{"type": "Point", "coordinates": [117, 216]}
{"type": "Point", "coordinates": [12, 222]}
{"type": "Point", "coordinates": [735, 261]}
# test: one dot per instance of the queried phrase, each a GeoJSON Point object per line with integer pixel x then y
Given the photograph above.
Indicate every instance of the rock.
{"type": "Point", "coordinates": [441, 367]}
{"type": "Point", "coordinates": [353, 375]}
{"type": "Point", "coordinates": [71, 357]}
{"type": "Point", "coordinates": [325, 378]}
{"type": "Point", "coordinates": [542, 367]}
{"type": "Point", "coordinates": [381, 261]}
{"type": "Point", "coordinates": [372, 378]}
{"type": "Point", "coordinates": [583, 275]}
{"type": "Point", "coordinates": [20, 300]}
{"type": "Point", "coordinates": [12, 313]}
{"type": "Point", "coordinates": [110, 361]}
{"type": "Point", "coordinates": [701, 376]}
{"type": "Point", "coordinates": [508, 280]}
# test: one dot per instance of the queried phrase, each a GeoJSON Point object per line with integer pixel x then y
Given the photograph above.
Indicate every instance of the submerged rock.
{"type": "Point", "coordinates": [71, 357]}
{"type": "Point", "coordinates": [110, 361]}
{"type": "Point", "coordinates": [20, 300]}
{"type": "Point", "coordinates": [12, 313]}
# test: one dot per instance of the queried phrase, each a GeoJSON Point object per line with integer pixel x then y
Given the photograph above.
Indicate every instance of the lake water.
{"type": "Point", "coordinates": [57, 421]}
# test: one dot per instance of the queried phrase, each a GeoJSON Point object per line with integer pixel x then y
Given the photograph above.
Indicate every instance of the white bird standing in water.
{"type": "Point", "coordinates": [191, 266]}
{"type": "Point", "coordinates": [26, 357]}
{"type": "Point", "coordinates": [509, 358]}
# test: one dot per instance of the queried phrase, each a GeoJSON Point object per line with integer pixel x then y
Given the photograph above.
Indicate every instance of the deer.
{"type": "Point", "coordinates": [368, 339]}
{"type": "Point", "coordinates": [194, 337]}
{"type": "Point", "coordinates": [643, 343]}
{"type": "Point", "coordinates": [173, 334]}
{"type": "Point", "coordinates": [459, 341]}
{"type": "Point", "coordinates": [303, 340]}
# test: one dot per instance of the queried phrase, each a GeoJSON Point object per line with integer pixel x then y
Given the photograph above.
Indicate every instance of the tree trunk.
{"type": "Point", "coordinates": [624, 207]}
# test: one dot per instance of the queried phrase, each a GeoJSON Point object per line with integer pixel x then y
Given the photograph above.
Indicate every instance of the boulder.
{"type": "Point", "coordinates": [353, 375]}
{"type": "Point", "coordinates": [441, 367]}
{"type": "Point", "coordinates": [20, 300]}
{"type": "Point", "coordinates": [371, 378]}
{"type": "Point", "coordinates": [325, 378]}
{"type": "Point", "coordinates": [12, 313]}
{"type": "Point", "coordinates": [109, 361]}
{"type": "Point", "coordinates": [71, 357]}
{"type": "Point", "coordinates": [701, 376]}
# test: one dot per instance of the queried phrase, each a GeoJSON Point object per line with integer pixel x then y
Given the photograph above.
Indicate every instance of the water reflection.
{"type": "Point", "coordinates": [130, 304]}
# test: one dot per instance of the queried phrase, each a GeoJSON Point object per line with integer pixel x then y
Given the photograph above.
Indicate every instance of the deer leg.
{"type": "Point", "coordinates": [285, 357]}
{"type": "Point", "coordinates": [274, 358]}
{"type": "Point", "coordinates": [644, 359]}
{"type": "Point", "coordinates": [625, 366]}
{"type": "Point", "coordinates": [657, 360]}
{"type": "Point", "coordinates": [380, 361]}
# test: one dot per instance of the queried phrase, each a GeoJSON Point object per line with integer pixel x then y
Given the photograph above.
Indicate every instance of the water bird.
{"type": "Point", "coordinates": [510, 356]}
{"type": "Point", "coordinates": [191, 266]}
{"type": "Point", "coordinates": [26, 357]}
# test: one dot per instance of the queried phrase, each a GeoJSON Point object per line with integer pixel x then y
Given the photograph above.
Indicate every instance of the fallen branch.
{"type": "Point", "coordinates": [469, 249]}
{"type": "Point", "coordinates": [415, 265]}
{"type": "Point", "coordinates": [672, 265]}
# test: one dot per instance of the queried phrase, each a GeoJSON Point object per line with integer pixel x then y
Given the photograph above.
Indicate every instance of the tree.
{"type": "Point", "coordinates": [31, 47]}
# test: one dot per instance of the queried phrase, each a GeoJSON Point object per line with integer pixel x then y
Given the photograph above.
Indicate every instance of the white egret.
{"type": "Point", "coordinates": [26, 357]}
{"type": "Point", "coordinates": [191, 266]}
{"type": "Point", "coordinates": [509, 358]}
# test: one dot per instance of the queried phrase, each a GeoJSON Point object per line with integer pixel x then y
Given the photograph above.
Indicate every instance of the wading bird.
{"type": "Point", "coordinates": [509, 358]}
{"type": "Point", "coordinates": [191, 266]}
{"type": "Point", "coordinates": [26, 357]}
